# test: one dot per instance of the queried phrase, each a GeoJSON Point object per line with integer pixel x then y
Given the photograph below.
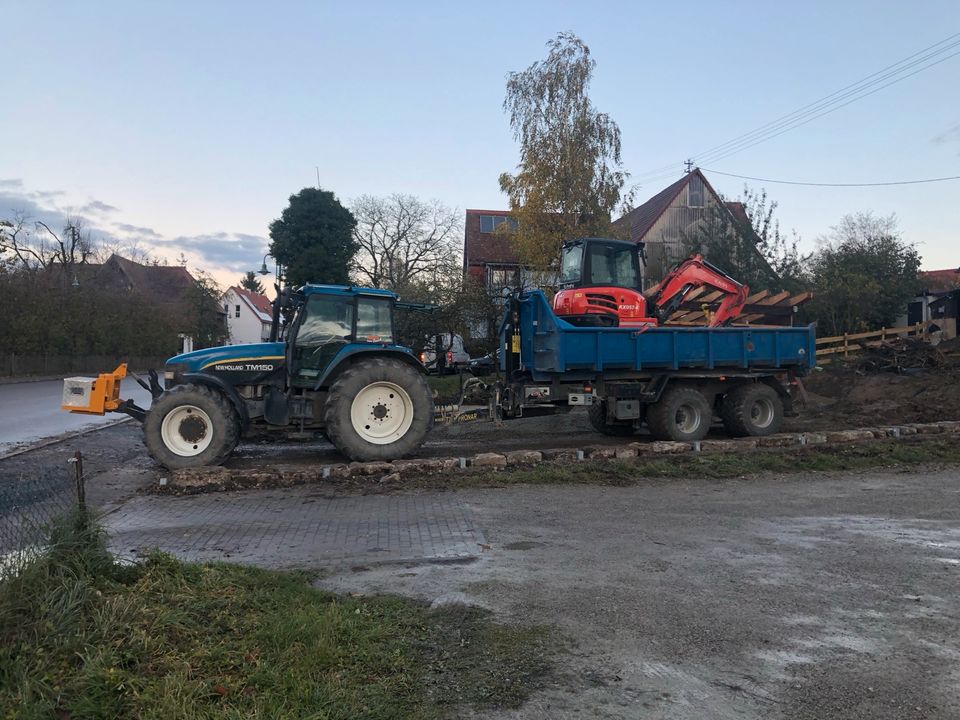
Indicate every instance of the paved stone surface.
{"type": "Point", "coordinates": [298, 527]}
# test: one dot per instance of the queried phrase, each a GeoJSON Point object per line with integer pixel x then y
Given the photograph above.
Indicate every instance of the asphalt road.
{"type": "Point", "coordinates": [30, 412]}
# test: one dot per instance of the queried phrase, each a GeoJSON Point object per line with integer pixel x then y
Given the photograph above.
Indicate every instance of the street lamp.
{"type": "Point", "coordinates": [263, 268]}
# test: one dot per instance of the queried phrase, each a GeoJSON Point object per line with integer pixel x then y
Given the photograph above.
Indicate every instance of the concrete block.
{"type": "Point", "coordinates": [928, 428]}
{"type": "Point", "coordinates": [559, 454]}
{"type": "Point", "coordinates": [670, 447]}
{"type": "Point", "coordinates": [908, 430]}
{"type": "Point", "coordinates": [370, 468]}
{"type": "Point", "coordinates": [523, 457]}
{"type": "Point", "coordinates": [722, 446]}
{"type": "Point", "coordinates": [778, 440]}
{"type": "Point", "coordinates": [622, 453]}
{"type": "Point", "coordinates": [488, 460]}
{"type": "Point", "coordinates": [814, 438]}
{"type": "Point", "coordinates": [601, 451]}
{"type": "Point", "coordinates": [950, 426]}
{"type": "Point", "coordinates": [845, 436]}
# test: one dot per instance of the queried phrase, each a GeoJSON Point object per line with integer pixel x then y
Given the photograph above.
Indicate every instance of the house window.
{"type": "Point", "coordinates": [237, 311]}
{"type": "Point", "coordinates": [695, 192]}
{"type": "Point", "coordinates": [502, 277]}
{"type": "Point", "coordinates": [490, 223]}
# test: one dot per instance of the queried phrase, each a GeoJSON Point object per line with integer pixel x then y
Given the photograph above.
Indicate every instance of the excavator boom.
{"type": "Point", "coordinates": [696, 272]}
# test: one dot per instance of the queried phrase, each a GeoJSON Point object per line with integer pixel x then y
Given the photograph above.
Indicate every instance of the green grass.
{"type": "Point", "coordinates": [82, 637]}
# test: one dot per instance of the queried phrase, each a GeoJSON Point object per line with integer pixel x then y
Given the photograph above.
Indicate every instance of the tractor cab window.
{"type": "Point", "coordinates": [325, 325]}
{"type": "Point", "coordinates": [374, 320]}
{"type": "Point", "coordinates": [325, 319]}
{"type": "Point", "coordinates": [570, 264]}
{"type": "Point", "coordinates": [614, 265]}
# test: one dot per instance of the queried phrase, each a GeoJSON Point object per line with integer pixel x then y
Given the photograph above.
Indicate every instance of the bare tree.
{"type": "Point", "coordinates": [35, 245]}
{"type": "Point", "coordinates": [405, 240]}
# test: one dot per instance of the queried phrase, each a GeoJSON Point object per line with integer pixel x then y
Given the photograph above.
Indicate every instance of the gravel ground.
{"type": "Point", "coordinates": [800, 597]}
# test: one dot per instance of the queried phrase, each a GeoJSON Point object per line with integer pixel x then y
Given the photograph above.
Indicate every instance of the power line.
{"type": "Point", "coordinates": [864, 87]}
{"type": "Point", "coordinates": [891, 71]}
{"type": "Point", "coordinates": [735, 150]}
{"type": "Point", "coordinates": [819, 184]}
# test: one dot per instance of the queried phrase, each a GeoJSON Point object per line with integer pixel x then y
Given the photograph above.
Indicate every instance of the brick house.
{"type": "Point", "coordinates": [487, 254]}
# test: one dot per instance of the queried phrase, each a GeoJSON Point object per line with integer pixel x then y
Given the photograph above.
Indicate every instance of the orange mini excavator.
{"type": "Point", "coordinates": [601, 285]}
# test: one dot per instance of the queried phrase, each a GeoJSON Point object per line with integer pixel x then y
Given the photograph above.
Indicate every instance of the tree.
{"type": "Point", "coordinates": [252, 283]}
{"type": "Point", "coordinates": [863, 274]}
{"type": "Point", "coordinates": [569, 179]}
{"type": "Point", "coordinates": [313, 239]}
{"type": "Point", "coordinates": [33, 245]}
{"type": "Point", "coordinates": [750, 245]}
{"type": "Point", "coordinates": [404, 240]}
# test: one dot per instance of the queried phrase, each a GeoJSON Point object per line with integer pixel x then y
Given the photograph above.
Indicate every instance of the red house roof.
{"type": "Point", "coordinates": [940, 280]}
{"type": "Point", "coordinates": [258, 302]}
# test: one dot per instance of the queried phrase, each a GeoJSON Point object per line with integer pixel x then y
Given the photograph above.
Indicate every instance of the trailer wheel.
{"type": "Point", "coordinates": [597, 413]}
{"type": "Point", "coordinates": [378, 409]}
{"type": "Point", "coordinates": [681, 413]}
{"type": "Point", "coordinates": [753, 409]}
{"type": "Point", "coordinates": [191, 426]}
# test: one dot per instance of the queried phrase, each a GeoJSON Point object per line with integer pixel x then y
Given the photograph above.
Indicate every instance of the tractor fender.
{"type": "Point", "coordinates": [353, 354]}
{"type": "Point", "coordinates": [229, 392]}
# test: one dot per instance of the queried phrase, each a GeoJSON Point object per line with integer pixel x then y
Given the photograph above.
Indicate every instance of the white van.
{"type": "Point", "coordinates": [454, 357]}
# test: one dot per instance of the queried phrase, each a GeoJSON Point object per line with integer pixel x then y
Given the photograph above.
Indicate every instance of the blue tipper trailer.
{"type": "Point", "coordinates": [674, 378]}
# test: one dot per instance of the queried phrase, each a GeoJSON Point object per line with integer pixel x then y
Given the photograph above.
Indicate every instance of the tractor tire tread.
{"type": "Point", "coordinates": [336, 416]}
{"type": "Point", "coordinates": [218, 404]}
{"type": "Point", "coordinates": [735, 410]}
{"type": "Point", "coordinates": [661, 416]}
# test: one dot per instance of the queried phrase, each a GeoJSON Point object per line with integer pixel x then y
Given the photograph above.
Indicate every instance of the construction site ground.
{"type": "Point", "coordinates": [799, 595]}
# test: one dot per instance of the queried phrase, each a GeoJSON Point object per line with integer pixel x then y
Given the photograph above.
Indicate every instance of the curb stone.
{"type": "Point", "coordinates": [206, 479]}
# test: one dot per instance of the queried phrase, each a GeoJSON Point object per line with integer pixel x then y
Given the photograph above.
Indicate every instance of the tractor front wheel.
{"type": "Point", "coordinates": [191, 426]}
{"type": "Point", "coordinates": [378, 409]}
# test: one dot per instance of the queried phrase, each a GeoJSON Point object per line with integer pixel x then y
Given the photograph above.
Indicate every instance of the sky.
{"type": "Point", "coordinates": [185, 126]}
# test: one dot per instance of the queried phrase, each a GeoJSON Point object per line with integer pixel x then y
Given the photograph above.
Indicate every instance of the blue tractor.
{"type": "Point", "coordinates": [335, 368]}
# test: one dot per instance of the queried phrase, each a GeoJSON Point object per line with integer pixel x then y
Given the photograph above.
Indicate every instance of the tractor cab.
{"type": "Point", "coordinates": [327, 319]}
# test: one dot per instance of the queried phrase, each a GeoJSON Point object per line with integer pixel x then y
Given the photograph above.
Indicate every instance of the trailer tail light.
{"type": "Point", "coordinates": [423, 358]}
{"type": "Point", "coordinates": [449, 357]}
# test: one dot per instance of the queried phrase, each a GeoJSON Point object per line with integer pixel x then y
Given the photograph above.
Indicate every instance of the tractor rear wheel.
{"type": "Point", "coordinates": [378, 409]}
{"type": "Point", "coordinates": [752, 409]}
{"type": "Point", "coordinates": [191, 426]}
{"type": "Point", "coordinates": [597, 413]}
{"type": "Point", "coordinates": [681, 413]}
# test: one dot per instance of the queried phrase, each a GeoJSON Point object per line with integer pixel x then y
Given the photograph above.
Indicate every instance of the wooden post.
{"type": "Point", "coordinates": [883, 333]}
{"type": "Point", "coordinates": [846, 346]}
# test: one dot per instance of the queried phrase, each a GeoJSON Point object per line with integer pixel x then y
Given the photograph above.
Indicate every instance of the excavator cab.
{"type": "Point", "coordinates": [597, 262]}
{"type": "Point", "coordinates": [601, 286]}
{"type": "Point", "coordinates": [601, 283]}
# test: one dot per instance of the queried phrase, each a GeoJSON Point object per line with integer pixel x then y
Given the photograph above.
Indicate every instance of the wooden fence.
{"type": "Point", "coordinates": [853, 342]}
{"type": "Point", "coordinates": [12, 365]}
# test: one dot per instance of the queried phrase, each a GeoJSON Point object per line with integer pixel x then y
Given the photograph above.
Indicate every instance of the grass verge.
{"type": "Point", "coordinates": [83, 637]}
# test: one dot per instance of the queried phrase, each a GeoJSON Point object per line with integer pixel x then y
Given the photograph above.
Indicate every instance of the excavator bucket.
{"type": "Point", "coordinates": [93, 396]}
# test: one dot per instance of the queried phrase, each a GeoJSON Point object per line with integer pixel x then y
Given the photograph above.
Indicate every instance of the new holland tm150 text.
{"type": "Point", "coordinates": [337, 369]}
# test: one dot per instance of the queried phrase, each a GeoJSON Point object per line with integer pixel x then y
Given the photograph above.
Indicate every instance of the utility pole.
{"type": "Point", "coordinates": [689, 164]}
{"type": "Point", "coordinates": [318, 176]}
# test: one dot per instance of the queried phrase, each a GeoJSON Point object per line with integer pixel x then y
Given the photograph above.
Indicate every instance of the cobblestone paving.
{"type": "Point", "coordinates": [298, 528]}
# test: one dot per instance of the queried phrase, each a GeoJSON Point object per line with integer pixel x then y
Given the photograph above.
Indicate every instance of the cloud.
{"type": "Point", "coordinates": [137, 230]}
{"type": "Point", "coordinates": [951, 135]}
{"type": "Point", "coordinates": [96, 206]}
{"type": "Point", "coordinates": [232, 251]}
{"type": "Point", "coordinates": [215, 251]}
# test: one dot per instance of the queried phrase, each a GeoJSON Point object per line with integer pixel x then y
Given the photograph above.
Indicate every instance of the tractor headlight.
{"type": "Point", "coordinates": [173, 373]}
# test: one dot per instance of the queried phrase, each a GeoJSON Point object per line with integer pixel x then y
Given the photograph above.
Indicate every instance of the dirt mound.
{"type": "Point", "coordinates": [842, 396]}
{"type": "Point", "coordinates": [909, 355]}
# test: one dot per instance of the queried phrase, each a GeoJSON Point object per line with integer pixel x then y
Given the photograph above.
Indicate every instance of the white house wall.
{"type": "Point", "coordinates": [248, 328]}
